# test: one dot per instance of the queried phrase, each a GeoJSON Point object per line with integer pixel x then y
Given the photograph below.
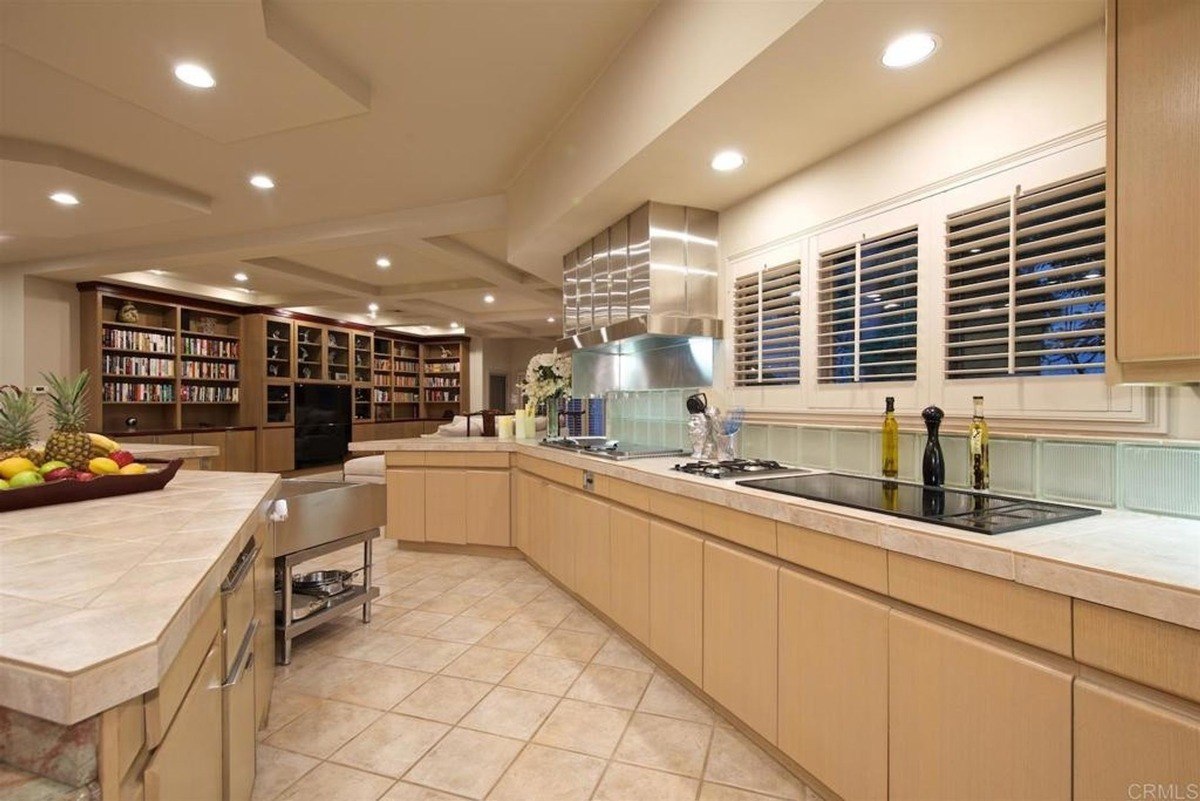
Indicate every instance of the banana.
{"type": "Point", "coordinates": [103, 443]}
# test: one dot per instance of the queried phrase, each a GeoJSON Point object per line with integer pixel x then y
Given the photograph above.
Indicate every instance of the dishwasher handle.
{"type": "Point", "coordinates": [241, 568]}
{"type": "Point", "coordinates": [245, 657]}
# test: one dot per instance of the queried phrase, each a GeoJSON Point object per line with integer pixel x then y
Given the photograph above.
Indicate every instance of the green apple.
{"type": "Point", "coordinates": [51, 466]}
{"type": "Point", "coordinates": [26, 479]}
{"type": "Point", "coordinates": [4, 485]}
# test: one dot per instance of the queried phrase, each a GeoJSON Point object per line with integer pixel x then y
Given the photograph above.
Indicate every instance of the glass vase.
{"type": "Point", "coordinates": [552, 428]}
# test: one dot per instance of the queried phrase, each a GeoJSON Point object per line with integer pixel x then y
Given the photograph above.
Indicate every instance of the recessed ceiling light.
{"type": "Point", "coordinates": [372, 307]}
{"type": "Point", "coordinates": [240, 277]}
{"type": "Point", "coordinates": [261, 181]}
{"type": "Point", "coordinates": [727, 160]}
{"type": "Point", "coordinates": [909, 50]}
{"type": "Point", "coordinates": [549, 319]}
{"type": "Point", "coordinates": [65, 199]}
{"type": "Point", "coordinates": [195, 75]}
{"type": "Point", "coordinates": [489, 298]}
{"type": "Point", "coordinates": [383, 262]}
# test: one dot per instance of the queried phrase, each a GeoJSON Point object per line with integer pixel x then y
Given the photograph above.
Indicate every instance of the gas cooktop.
{"type": "Point", "coordinates": [980, 512]}
{"type": "Point", "coordinates": [736, 468]}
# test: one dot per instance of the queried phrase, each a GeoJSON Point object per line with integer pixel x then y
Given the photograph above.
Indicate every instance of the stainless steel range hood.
{"type": "Point", "coordinates": [640, 302]}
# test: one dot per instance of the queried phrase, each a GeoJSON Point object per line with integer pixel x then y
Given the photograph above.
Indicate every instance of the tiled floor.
{"type": "Point", "coordinates": [477, 678]}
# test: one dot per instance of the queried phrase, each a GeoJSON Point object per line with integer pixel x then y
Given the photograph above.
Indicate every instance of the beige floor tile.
{"type": "Point", "coordinates": [576, 645]}
{"type": "Point", "coordinates": [428, 655]}
{"type": "Point", "coordinates": [631, 783]}
{"type": "Point", "coordinates": [666, 744]}
{"type": "Point", "coordinates": [465, 762]}
{"type": "Point", "coordinates": [665, 696]}
{"type": "Point", "coordinates": [601, 684]}
{"type": "Point", "coordinates": [323, 729]}
{"type": "Point", "coordinates": [543, 612]}
{"type": "Point", "coordinates": [719, 792]}
{"type": "Point", "coordinates": [520, 591]}
{"type": "Point", "coordinates": [390, 745]}
{"type": "Point", "coordinates": [463, 629]}
{"type": "Point", "coordinates": [588, 728]}
{"type": "Point", "coordinates": [417, 622]}
{"type": "Point", "coordinates": [736, 761]}
{"type": "Point", "coordinates": [493, 608]}
{"type": "Point", "coordinates": [619, 653]}
{"type": "Point", "coordinates": [483, 664]}
{"type": "Point", "coordinates": [585, 621]}
{"type": "Point", "coordinates": [448, 603]}
{"type": "Point", "coordinates": [382, 687]}
{"type": "Point", "coordinates": [286, 706]}
{"type": "Point", "coordinates": [510, 713]}
{"type": "Point", "coordinates": [544, 674]}
{"type": "Point", "coordinates": [328, 780]}
{"type": "Point", "coordinates": [403, 791]}
{"type": "Point", "coordinates": [516, 636]}
{"type": "Point", "coordinates": [409, 597]}
{"type": "Point", "coordinates": [548, 773]}
{"type": "Point", "coordinates": [277, 769]}
{"type": "Point", "coordinates": [479, 586]}
{"type": "Point", "coordinates": [443, 699]}
{"type": "Point", "coordinates": [439, 582]}
{"type": "Point", "coordinates": [321, 677]}
{"type": "Point", "coordinates": [378, 645]}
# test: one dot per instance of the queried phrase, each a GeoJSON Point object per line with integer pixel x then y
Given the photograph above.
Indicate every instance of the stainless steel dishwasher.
{"type": "Point", "coordinates": [314, 519]}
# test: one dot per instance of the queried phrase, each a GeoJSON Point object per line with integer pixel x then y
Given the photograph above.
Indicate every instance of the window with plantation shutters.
{"type": "Point", "coordinates": [1025, 283]}
{"type": "Point", "coordinates": [867, 299]}
{"type": "Point", "coordinates": [766, 323]}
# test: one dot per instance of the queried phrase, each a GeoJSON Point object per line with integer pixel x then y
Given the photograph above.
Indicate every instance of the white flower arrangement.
{"type": "Point", "coordinates": [547, 376]}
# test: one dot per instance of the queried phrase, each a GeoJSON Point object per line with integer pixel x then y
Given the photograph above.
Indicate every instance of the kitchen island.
{"type": "Point", "coordinates": [111, 612]}
{"type": "Point", "coordinates": [877, 657]}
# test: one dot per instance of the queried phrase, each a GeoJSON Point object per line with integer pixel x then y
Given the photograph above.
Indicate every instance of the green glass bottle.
{"type": "Point", "coordinates": [890, 441]}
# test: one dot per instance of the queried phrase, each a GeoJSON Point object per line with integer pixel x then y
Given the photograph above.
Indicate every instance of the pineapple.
{"type": "Point", "coordinates": [18, 411]}
{"type": "Point", "coordinates": [68, 442]}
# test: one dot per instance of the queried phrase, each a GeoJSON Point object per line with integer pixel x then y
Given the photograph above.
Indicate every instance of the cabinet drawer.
{"type": "Point", "coordinates": [623, 492]}
{"type": "Point", "coordinates": [237, 600]}
{"type": "Point", "coordinates": [163, 703]}
{"type": "Point", "coordinates": [1155, 653]}
{"type": "Point", "coordinates": [850, 561]}
{"type": "Point", "coordinates": [188, 763]}
{"type": "Point", "coordinates": [404, 459]}
{"type": "Point", "coordinates": [1024, 613]}
{"type": "Point", "coordinates": [466, 459]}
{"type": "Point", "coordinates": [551, 471]}
{"type": "Point", "coordinates": [740, 527]}
{"type": "Point", "coordinates": [677, 509]}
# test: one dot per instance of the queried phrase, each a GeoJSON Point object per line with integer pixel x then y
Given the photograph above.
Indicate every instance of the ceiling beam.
{"type": "Point", "coordinates": [418, 288]}
{"type": "Point", "coordinates": [318, 277]}
{"type": "Point", "coordinates": [505, 277]}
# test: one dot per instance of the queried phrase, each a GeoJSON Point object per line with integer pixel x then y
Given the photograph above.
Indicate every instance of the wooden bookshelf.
{"type": "Point", "coordinates": [442, 377]}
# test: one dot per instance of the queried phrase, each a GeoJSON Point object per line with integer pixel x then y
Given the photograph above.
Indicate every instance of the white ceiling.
{"type": "Point", "coordinates": [396, 129]}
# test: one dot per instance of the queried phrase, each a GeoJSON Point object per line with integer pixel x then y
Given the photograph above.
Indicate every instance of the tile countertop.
{"type": "Point", "coordinates": [97, 597]}
{"type": "Point", "coordinates": [149, 451]}
{"type": "Point", "coordinates": [1148, 564]}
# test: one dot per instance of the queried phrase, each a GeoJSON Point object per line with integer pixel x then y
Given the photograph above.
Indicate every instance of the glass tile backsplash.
{"type": "Point", "coordinates": [1160, 478]}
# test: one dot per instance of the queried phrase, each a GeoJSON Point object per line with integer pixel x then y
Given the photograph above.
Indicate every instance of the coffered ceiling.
{"type": "Point", "coordinates": [467, 142]}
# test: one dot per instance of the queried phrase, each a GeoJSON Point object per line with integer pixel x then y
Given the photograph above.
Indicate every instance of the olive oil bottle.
{"type": "Point", "coordinates": [890, 441]}
{"type": "Point", "coordinates": [978, 447]}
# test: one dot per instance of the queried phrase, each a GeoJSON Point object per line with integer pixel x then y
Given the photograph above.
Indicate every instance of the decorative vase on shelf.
{"type": "Point", "coordinates": [128, 313]}
{"type": "Point", "coordinates": [552, 428]}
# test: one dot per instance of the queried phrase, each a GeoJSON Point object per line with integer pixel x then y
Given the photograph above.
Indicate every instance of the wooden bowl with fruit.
{"type": "Point", "coordinates": [72, 465]}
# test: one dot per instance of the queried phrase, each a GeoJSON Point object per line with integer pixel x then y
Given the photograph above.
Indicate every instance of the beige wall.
{"type": "Point", "coordinates": [507, 356]}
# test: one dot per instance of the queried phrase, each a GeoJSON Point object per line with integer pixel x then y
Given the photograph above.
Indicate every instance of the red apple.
{"type": "Point", "coordinates": [83, 475]}
{"type": "Point", "coordinates": [61, 474]}
{"type": "Point", "coordinates": [122, 458]}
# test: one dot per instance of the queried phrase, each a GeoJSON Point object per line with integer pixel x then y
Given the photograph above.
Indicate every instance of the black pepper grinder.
{"type": "Point", "coordinates": [933, 465]}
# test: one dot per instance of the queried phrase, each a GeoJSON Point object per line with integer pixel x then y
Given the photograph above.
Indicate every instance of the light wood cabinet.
{"type": "Point", "coordinates": [968, 719]}
{"type": "Point", "coordinates": [264, 613]}
{"type": "Point", "coordinates": [560, 535]}
{"type": "Point", "coordinates": [539, 522]}
{"type": "Point", "coordinates": [1124, 744]}
{"type": "Point", "coordinates": [188, 763]}
{"type": "Point", "coordinates": [487, 506]}
{"type": "Point", "coordinates": [833, 684]}
{"type": "Point", "coordinates": [406, 504]}
{"type": "Point", "coordinates": [741, 635]}
{"type": "Point", "coordinates": [239, 451]}
{"type": "Point", "coordinates": [521, 484]}
{"type": "Point", "coordinates": [277, 450]}
{"type": "Point", "coordinates": [677, 598]}
{"type": "Point", "coordinates": [629, 534]}
{"type": "Point", "coordinates": [446, 506]}
{"type": "Point", "coordinates": [1153, 189]}
{"type": "Point", "coordinates": [593, 551]}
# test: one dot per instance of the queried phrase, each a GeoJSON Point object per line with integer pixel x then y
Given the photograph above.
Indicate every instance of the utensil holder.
{"type": "Point", "coordinates": [729, 446]}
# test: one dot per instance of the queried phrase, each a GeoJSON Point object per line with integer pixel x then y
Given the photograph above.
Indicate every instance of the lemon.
{"type": "Point", "coordinates": [15, 464]}
{"type": "Point", "coordinates": [103, 466]}
{"type": "Point", "coordinates": [133, 469]}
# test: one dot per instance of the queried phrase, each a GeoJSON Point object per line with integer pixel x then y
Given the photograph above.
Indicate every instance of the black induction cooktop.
{"type": "Point", "coordinates": [980, 512]}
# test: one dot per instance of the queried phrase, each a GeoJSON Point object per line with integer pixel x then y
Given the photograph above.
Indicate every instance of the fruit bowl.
{"type": "Point", "coordinates": [158, 475]}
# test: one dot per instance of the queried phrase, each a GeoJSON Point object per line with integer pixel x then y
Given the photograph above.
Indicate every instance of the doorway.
{"type": "Point", "coordinates": [497, 397]}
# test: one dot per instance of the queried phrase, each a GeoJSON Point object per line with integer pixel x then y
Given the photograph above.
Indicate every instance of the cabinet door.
{"type": "Point", "coordinates": [239, 451]}
{"type": "Point", "coordinates": [277, 450]}
{"type": "Point", "coordinates": [264, 613]}
{"type": "Point", "coordinates": [677, 598]}
{"type": "Point", "coordinates": [520, 511]}
{"type": "Point", "coordinates": [833, 684]}
{"type": "Point", "coordinates": [215, 439]}
{"type": "Point", "coordinates": [561, 536]}
{"type": "Point", "coordinates": [539, 522]}
{"type": "Point", "coordinates": [593, 551]}
{"type": "Point", "coordinates": [630, 566]}
{"type": "Point", "coordinates": [1123, 743]}
{"type": "Point", "coordinates": [446, 506]}
{"type": "Point", "coordinates": [1155, 150]}
{"type": "Point", "coordinates": [741, 635]}
{"type": "Point", "coordinates": [969, 719]}
{"type": "Point", "coordinates": [406, 503]}
{"type": "Point", "coordinates": [487, 508]}
{"type": "Point", "coordinates": [187, 763]}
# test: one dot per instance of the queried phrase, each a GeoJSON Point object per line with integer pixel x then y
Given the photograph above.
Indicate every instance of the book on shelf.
{"type": "Point", "coordinates": [204, 394]}
{"type": "Point", "coordinates": [219, 348]}
{"type": "Point", "coordinates": [212, 371]}
{"type": "Point", "coordinates": [129, 392]}
{"type": "Point", "coordinates": [137, 366]}
{"type": "Point", "coordinates": [121, 339]}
